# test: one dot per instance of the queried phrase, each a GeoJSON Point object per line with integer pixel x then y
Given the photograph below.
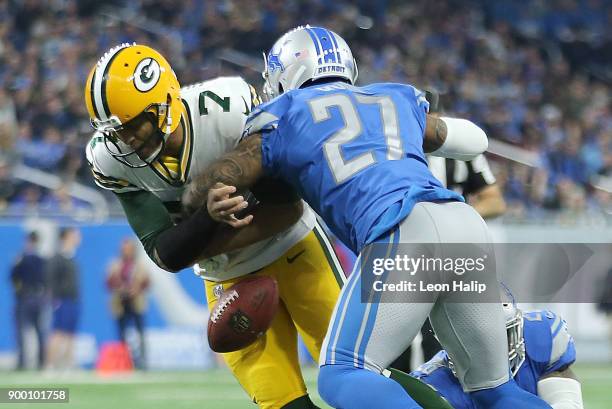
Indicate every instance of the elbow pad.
{"type": "Point", "coordinates": [464, 140]}
{"type": "Point", "coordinates": [561, 393]}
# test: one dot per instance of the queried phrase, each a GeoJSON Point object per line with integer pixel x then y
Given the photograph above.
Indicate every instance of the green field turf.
{"type": "Point", "coordinates": [214, 389]}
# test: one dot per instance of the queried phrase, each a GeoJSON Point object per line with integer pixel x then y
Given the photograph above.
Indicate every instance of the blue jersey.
{"type": "Point", "coordinates": [549, 348]}
{"type": "Point", "coordinates": [353, 153]}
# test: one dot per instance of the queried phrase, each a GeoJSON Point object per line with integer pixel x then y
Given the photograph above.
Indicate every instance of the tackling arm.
{"type": "Point", "coordinates": [197, 236]}
{"type": "Point", "coordinates": [174, 247]}
{"type": "Point", "coordinates": [561, 390]}
{"type": "Point", "coordinates": [240, 168]}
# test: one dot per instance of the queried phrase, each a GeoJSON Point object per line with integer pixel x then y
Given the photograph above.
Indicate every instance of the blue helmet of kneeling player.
{"type": "Point", "coordinates": [307, 54]}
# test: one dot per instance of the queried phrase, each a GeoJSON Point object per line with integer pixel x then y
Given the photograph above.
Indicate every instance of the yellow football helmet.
{"type": "Point", "coordinates": [128, 80]}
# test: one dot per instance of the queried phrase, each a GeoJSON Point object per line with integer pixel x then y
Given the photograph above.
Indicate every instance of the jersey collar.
{"type": "Point", "coordinates": [185, 155]}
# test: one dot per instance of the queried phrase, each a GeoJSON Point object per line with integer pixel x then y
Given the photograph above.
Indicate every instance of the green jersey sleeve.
{"type": "Point", "coordinates": [147, 216]}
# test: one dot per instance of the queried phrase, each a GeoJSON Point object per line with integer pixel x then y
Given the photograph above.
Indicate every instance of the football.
{"type": "Point", "coordinates": [242, 314]}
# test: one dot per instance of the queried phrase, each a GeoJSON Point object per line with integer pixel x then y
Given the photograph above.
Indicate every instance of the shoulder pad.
{"type": "Point", "coordinates": [561, 339]}
{"type": "Point", "coordinates": [222, 87]}
{"type": "Point", "coordinates": [219, 108]}
{"type": "Point", "coordinates": [266, 116]}
{"type": "Point", "coordinates": [108, 173]}
{"type": "Point", "coordinates": [547, 338]}
{"type": "Point", "coordinates": [413, 93]}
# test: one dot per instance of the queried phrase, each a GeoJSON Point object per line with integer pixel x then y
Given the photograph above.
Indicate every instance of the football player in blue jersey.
{"type": "Point", "coordinates": [356, 156]}
{"type": "Point", "coordinates": [541, 352]}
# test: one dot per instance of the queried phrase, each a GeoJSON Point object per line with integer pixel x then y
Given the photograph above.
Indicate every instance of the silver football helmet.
{"type": "Point", "coordinates": [306, 54]}
{"type": "Point", "coordinates": [514, 328]}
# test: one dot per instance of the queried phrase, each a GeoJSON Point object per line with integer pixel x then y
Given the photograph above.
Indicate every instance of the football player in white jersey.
{"type": "Point", "coordinates": [152, 138]}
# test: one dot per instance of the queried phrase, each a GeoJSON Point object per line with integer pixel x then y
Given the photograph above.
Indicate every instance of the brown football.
{"type": "Point", "coordinates": [242, 314]}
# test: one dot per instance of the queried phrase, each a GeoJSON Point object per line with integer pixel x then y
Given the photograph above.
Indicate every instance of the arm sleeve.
{"type": "Point", "coordinates": [464, 140]}
{"type": "Point", "coordinates": [561, 393]}
{"type": "Point", "coordinates": [171, 247]}
{"type": "Point", "coordinates": [147, 216]}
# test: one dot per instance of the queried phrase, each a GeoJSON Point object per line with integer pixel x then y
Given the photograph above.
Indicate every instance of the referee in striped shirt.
{"type": "Point", "coordinates": [474, 180]}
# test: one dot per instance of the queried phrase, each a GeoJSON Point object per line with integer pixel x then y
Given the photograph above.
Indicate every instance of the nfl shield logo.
{"type": "Point", "coordinates": [218, 290]}
{"type": "Point", "coordinates": [240, 322]}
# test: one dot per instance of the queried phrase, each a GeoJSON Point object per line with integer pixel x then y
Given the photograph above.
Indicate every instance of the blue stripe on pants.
{"type": "Point", "coordinates": [355, 320]}
{"type": "Point", "coordinates": [375, 300]}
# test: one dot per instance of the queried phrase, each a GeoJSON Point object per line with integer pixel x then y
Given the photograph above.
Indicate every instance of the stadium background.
{"type": "Point", "coordinates": [534, 74]}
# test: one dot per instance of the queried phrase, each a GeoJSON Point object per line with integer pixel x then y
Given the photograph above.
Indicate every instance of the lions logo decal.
{"type": "Point", "coordinates": [275, 63]}
{"type": "Point", "coordinates": [146, 74]}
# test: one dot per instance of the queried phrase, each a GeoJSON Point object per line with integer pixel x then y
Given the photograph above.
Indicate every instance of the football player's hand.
{"type": "Point", "coordinates": [222, 207]}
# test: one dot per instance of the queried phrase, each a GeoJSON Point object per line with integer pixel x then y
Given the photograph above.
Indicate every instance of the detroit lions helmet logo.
{"type": "Point", "coordinates": [274, 62]}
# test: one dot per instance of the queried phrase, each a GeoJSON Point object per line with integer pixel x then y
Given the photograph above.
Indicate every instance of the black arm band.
{"type": "Point", "coordinates": [181, 245]}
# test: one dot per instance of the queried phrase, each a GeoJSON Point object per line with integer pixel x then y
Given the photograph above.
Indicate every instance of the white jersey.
{"type": "Point", "coordinates": [213, 117]}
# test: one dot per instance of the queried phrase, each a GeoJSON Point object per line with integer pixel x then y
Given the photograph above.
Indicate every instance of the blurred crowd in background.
{"type": "Point", "coordinates": [533, 73]}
